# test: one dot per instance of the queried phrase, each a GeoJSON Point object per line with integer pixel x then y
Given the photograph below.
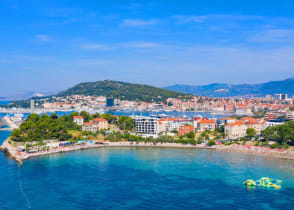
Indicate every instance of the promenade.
{"type": "Point", "coordinates": [252, 150]}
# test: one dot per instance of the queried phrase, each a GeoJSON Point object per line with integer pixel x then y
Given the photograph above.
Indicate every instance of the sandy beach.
{"type": "Point", "coordinates": [253, 150]}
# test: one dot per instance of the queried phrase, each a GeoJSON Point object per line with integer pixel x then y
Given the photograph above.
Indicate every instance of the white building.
{"type": "Point", "coordinates": [78, 120]}
{"type": "Point", "coordinates": [271, 123]}
{"type": "Point", "coordinates": [146, 125]}
{"type": "Point", "coordinates": [172, 124]}
{"type": "Point", "coordinates": [90, 127]}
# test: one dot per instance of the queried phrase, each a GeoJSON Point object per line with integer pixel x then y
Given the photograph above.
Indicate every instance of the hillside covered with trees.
{"type": "Point", "coordinates": [123, 91]}
{"type": "Point", "coordinates": [44, 127]}
{"type": "Point", "coordinates": [282, 134]}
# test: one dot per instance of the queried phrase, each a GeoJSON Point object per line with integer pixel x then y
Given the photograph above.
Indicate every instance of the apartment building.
{"type": "Point", "coordinates": [205, 125]}
{"type": "Point", "coordinates": [185, 129]}
{"type": "Point", "coordinates": [101, 123]}
{"type": "Point", "coordinates": [90, 127]}
{"type": "Point", "coordinates": [146, 125]}
{"type": "Point", "coordinates": [239, 128]}
{"type": "Point", "coordinates": [173, 124]}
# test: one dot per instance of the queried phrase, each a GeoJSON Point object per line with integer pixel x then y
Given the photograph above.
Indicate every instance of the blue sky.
{"type": "Point", "coordinates": [52, 45]}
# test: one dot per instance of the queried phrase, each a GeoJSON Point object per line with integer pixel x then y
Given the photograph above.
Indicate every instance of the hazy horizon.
{"type": "Point", "coordinates": [57, 91]}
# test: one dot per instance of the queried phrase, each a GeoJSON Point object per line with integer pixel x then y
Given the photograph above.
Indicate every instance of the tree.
{"type": "Point", "coordinates": [96, 115]}
{"type": "Point", "coordinates": [211, 143]}
{"type": "Point", "coordinates": [283, 134]}
{"type": "Point", "coordinates": [54, 116]}
{"type": "Point", "coordinates": [191, 135]}
{"type": "Point", "coordinates": [37, 128]}
{"type": "Point", "coordinates": [73, 114]}
{"type": "Point", "coordinates": [16, 135]}
{"type": "Point", "coordinates": [220, 129]}
{"type": "Point", "coordinates": [126, 123]}
{"type": "Point", "coordinates": [85, 115]}
{"type": "Point", "coordinates": [250, 132]}
{"type": "Point", "coordinates": [109, 117]}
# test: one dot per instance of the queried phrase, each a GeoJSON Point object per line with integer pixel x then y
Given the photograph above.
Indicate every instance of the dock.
{"type": "Point", "coordinates": [6, 129]}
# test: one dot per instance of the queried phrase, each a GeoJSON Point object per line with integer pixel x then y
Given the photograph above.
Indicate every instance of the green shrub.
{"type": "Point", "coordinates": [275, 146]}
{"type": "Point", "coordinates": [211, 143]}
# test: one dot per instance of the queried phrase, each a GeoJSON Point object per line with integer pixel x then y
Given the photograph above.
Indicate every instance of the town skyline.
{"type": "Point", "coordinates": [22, 94]}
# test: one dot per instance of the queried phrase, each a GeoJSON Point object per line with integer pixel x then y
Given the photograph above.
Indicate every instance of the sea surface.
{"type": "Point", "coordinates": [4, 102]}
{"type": "Point", "coordinates": [143, 178]}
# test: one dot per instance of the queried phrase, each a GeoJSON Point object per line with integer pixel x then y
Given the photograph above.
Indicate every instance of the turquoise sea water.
{"type": "Point", "coordinates": [143, 178]}
{"type": "Point", "coordinates": [4, 102]}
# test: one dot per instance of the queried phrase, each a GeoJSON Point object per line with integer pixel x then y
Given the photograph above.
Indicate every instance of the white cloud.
{"type": "Point", "coordinates": [274, 35]}
{"type": "Point", "coordinates": [94, 46]}
{"type": "Point", "coordinates": [187, 19]}
{"type": "Point", "coordinates": [202, 18]}
{"type": "Point", "coordinates": [117, 46]}
{"type": "Point", "coordinates": [137, 22]}
{"type": "Point", "coordinates": [141, 45]}
{"type": "Point", "coordinates": [42, 38]}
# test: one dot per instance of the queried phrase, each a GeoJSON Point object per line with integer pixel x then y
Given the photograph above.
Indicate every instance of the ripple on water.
{"type": "Point", "coordinates": [145, 178]}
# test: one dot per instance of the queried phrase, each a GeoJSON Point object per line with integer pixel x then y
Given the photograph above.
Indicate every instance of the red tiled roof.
{"type": "Point", "coordinates": [228, 118]}
{"type": "Point", "coordinates": [187, 126]}
{"type": "Point", "coordinates": [204, 121]}
{"type": "Point", "coordinates": [238, 123]}
{"type": "Point", "coordinates": [247, 118]}
{"type": "Point", "coordinates": [99, 120]}
{"type": "Point", "coordinates": [76, 117]}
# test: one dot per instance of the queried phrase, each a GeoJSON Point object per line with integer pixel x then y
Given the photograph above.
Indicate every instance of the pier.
{"type": "Point", "coordinates": [6, 129]}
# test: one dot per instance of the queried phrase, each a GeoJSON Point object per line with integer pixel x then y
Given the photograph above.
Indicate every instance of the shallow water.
{"type": "Point", "coordinates": [143, 178]}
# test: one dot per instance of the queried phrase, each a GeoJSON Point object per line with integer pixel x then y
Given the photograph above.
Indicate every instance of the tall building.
{"type": "Point", "coordinates": [110, 102]}
{"type": "Point", "coordinates": [278, 96]}
{"type": "Point", "coordinates": [284, 96]}
{"type": "Point", "coordinates": [32, 105]}
{"type": "Point", "coordinates": [146, 125]}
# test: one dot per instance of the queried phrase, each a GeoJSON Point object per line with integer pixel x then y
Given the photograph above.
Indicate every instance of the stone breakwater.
{"type": "Point", "coordinates": [254, 150]}
{"type": "Point", "coordinates": [12, 125]}
{"type": "Point", "coordinates": [10, 150]}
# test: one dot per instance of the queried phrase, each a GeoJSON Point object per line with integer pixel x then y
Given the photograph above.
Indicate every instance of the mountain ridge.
{"type": "Point", "coordinates": [230, 90]}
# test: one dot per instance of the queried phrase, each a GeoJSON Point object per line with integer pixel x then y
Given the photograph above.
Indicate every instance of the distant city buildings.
{"type": "Point", "coordinates": [32, 105]}
{"type": "Point", "coordinates": [110, 102]}
{"type": "Point", "coordinates": [238, 106]}
{"type": "Point", "coordinates": [281, 96]}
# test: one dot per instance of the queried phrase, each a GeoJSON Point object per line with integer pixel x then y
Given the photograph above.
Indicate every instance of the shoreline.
{"type": "Point", "coordinates": [252, 150]}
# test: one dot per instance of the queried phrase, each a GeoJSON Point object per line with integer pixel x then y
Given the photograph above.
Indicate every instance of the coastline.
{"type": "Point", "coordinates": [253, 150]}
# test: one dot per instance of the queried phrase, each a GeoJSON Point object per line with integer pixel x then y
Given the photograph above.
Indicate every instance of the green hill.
{"type": "Point", "coordinates": [122, 90]}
